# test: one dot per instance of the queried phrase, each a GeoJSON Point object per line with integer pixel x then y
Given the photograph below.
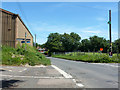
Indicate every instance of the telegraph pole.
{"type": "Point", "coordinates": [35, 40]}
{"type": "Point", "coordinates": [109, 22]}
{"type": "Point", "coordinates": [25, 40]}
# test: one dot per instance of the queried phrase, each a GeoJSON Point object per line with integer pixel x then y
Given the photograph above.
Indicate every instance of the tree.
{"type": "Point", "coordinates": [63, 42]}
{"type": "Point", "coordinates": [70, 42]}
{"type": "Point", "coordinates": [85, 45]}
{"type": "Point", "coordinates": [97, 43]}
{"type": "Point", "coordinates": [116, 46]}
{"type": "Point", "coordinates": [54, 42]}
{"type": "Point", "coordinates": [35, 44]}
{"type": "Point", "coordinates": [106, 46]}
{"type": "Point", "coordinates": [75, 36]}
{"type": "Point", "coordinates": [67, 42]}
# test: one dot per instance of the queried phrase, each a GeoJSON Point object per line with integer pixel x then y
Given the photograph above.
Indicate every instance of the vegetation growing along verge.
{"type": "Point", "coordinates": [20, 56]}
{"type": "Point", "coordinates": [89, 57]}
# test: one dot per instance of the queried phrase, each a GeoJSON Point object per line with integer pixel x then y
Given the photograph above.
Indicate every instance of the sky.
{"type": "Point", "coordinates": [84, 18]}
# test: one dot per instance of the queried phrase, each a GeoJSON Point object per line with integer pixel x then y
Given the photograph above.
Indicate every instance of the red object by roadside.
{"type": "Point", "coordinates": [101, 49]}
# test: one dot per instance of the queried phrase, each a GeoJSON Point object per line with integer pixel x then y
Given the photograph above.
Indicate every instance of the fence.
{"type": "Point", "coordinates": [77, 53]}
{"type": "Point", "coordinates": [71, 53]}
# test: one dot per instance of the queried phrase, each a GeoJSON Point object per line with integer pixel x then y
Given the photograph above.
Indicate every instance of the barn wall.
{"type": "Point", "coordinates": [0, 28]}
{"type": "Point", "coordinates": [20, 32]}
{"type": "Point", "coordinates": [8, 29]}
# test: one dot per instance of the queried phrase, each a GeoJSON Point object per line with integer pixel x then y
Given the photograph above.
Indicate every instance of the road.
{"type": "Point", "coordinates": [90, 75]}
{"type": "Point", "coordinates": [33, 77]}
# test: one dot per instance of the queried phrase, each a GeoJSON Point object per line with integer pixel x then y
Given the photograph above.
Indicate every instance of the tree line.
{"type": "Point", "coordinates": [72, 42]}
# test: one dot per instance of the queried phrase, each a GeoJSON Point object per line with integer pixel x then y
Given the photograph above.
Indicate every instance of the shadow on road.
{"type": "Point", "coordinates": [8, 83]}
{"type": "Point", "coordinates": [2, 70]}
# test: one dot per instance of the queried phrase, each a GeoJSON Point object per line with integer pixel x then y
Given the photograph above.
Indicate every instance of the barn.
{"type": "Point", "coordinates": [14, 30]}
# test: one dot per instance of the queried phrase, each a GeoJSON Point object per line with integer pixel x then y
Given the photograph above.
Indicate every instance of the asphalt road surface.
{"type": "Point", "coordinates": [33, 77]}
{"type": "Point", "coordinates": [90, 75]}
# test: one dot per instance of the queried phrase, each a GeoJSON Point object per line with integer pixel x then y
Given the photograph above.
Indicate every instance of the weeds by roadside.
{"type": "Point", "coordinates": [20, 56]}
{"type": "Point", "coordinates": [93, 58]}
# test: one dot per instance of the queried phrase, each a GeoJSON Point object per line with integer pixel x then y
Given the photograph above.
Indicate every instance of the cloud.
{"type": "Point", "coordinates": [92, 29]}
{"type": "Point", "coordinates": [43, 29]}
{"type": "Point", "coordinates": [61, 0]}
{"type": "Point", "coordinates": [89, 31]}
{"type": "Point", "coordinates": [52, 28]}
{"type": "Point", "coordinates": [114, 7]}
{"type": "Point", "coordinates": [101, 19]}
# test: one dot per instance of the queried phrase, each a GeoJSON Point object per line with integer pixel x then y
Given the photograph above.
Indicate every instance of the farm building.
{"type": "Point", "coordinates": [14, 29]}
{"type": "Point", "coordinates": [42, 50]}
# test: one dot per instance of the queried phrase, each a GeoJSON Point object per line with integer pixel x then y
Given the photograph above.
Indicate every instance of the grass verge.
{"type": "Point", "coordinates": [93, 58]}
{"type": "Point", "coordinates": [20, 56]}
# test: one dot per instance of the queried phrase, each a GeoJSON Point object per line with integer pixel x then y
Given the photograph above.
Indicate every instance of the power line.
{"type": "Point", "coordinates": [23, 14]}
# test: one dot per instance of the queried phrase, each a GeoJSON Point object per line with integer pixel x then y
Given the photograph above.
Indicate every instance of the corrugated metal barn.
{"type": "Point", "coordinates": [14, 29]}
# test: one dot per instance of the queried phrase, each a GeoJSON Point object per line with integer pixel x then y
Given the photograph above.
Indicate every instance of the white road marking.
{"type": "Point", "coordinates": [9, 67]}
{"type": "Point", "coordinates": [105, 64]}
{"type": "Point", "coordinates": [67, 76]}
{"type": "Point", "coordinates": [23, 70]}
{"type": "Point", "coordinates": [10, 70]}
{"type": "Point", "coordinates": [31, 77]}
{"type": "Point", "coordinates": [49, 77]}
{"type": "Point", "coordinates": [39, 66]}
{"type": "Point", "coordinates": [78, 84]}
{"type": "Point", "coordinates": [13, 70]}
{"type": "Point", "coordinates": [62, 72]}
{"type": "Point", "coordinates": [35, 66]}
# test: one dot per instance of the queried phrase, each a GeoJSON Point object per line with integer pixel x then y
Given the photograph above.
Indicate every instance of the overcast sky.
{"type": "Point", "coordinates": [86, 19]}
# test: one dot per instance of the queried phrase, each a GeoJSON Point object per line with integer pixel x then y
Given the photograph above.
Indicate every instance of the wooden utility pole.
{"type": "Point", "coordinates": [35, 40]}
{"type": "Point", "coordinates": [110, 33]}
{"type": "Point", "coordinates": [25, 40]}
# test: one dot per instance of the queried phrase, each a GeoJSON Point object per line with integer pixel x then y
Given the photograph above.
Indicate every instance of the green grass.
{"type": "Point", "coordinates": [90, 57]}
{"type": "Point", "coordinates": [18, 56]}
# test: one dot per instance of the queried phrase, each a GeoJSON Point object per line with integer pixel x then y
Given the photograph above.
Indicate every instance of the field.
{"type": "Point", "coordinates": [90, 57]}
{"type": "Point", "coordinates": [20, 56]}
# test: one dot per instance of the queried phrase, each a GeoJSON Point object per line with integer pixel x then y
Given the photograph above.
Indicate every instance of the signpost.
{"type": "Point", "coordinates": [25, 40]}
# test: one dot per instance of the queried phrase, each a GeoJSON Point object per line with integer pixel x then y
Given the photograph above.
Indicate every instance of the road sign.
{"type": "Point", "coordinates": [28, 41]}
{"type": "Point", "coordinates": [101, 49]}
{"type": "Point", "coordinates": [25, 34]}
{"type": "Point", "coordinates": [22, 41]}
{"type": "Point", "coordinates": [109, 22]}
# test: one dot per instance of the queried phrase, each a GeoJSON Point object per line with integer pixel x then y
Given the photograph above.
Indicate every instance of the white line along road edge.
{"type": "Point", "coordinates": [62, 72]}
{"type": "Point", "coordinates": [23, 70]}
{"type": "Point", "coordinates": [67, 76]}
{"type": "Point", "coordinates": [105, 64]}
{"type": "Point", "coordinates": [78, 84]}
